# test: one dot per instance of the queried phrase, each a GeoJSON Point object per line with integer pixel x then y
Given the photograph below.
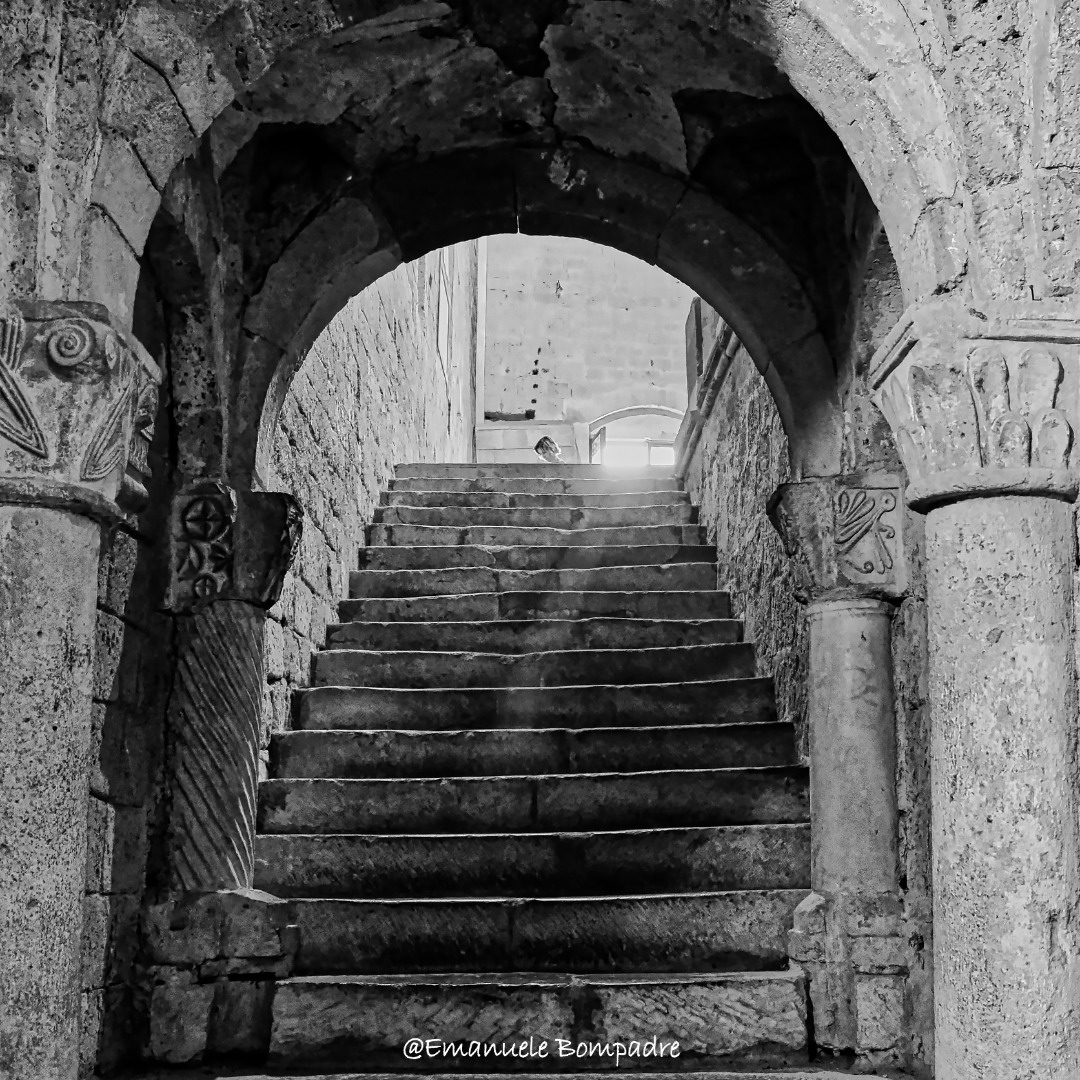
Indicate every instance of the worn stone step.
{"type": "Point", "coordinates": [535, 485]}
{"type": "Point", "coordinates": [544, 470]}
{"type": "Point", "coordinates": [716, 931]}
{"type": "Point", "coordinates": [444, 556]}
{"type": "Point", "coordinates": [505, 535]}
{"type": "Point", "coordinates": [530, 499]}
{"type": "Point", "coordinates": [734, 1018]}
{"type": "Point", "coordinates": [540, 517]}
{"type": "Point", "coordinates": [533, 635]}
{"type": "Point", "coordinates": [572, 667]}
{"type": "Point", "coordinates": [536, 864]}
{"type": "Point", "coordinates": [774, 795]}
{"type": "Point", "coordinates": [677, 577]}
{"type": "Point", "coordinates": [709, 701]}
{"type": "Point", "coordinates": [232, 1073]}
{"type": "Point", "coordinates": [488, 606]}
{"type": "Point", "coordinates": [485, 752]}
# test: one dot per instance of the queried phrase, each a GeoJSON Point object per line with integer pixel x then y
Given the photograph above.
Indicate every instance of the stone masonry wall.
{"type": "Point", "coordinates": [390, 380]}
{"type": "Point", "coordinates": [739, 462]}
{"type": "Point", "coordinates": [575, 330]}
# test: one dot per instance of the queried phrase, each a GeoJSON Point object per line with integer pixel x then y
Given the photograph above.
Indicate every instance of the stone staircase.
{"type": "Point", "coordinates": [536, 790]}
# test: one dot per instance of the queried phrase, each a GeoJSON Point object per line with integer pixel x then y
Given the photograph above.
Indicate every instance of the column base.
{"type": "Point", "coordinates": [855, 957]}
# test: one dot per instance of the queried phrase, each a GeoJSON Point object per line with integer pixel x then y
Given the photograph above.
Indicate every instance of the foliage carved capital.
{"type": "Point", "coordinates": [843, 535]}
{"type": "Point", "coordinates": [982, 406]}
{"type": "Point", "coordinates": [77, 404]}
{"type": "Point", "coordinates": [227, 544]}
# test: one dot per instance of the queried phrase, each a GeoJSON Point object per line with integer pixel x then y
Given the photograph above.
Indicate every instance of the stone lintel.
{"type": "Point", "coordinates": [78, 396]}
{"type": "Point", "coordinates": [228, 544]}
{"type": "Point", "coordinates": [844, 536]}
{"type": "Point", "coordinates": [982, 403]}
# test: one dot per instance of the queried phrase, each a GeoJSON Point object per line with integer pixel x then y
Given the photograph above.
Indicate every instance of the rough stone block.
{"type": "Point", "coordinates": [879, 1003]}
{"type": "Point", "coordinates": [109, 939]}
{"type": "Point", "coordinates": [240, 1018]}
{"type": "Point", "coordinates": [179, 1016]}
{"type": "Point", "coordinates": [116, 848]}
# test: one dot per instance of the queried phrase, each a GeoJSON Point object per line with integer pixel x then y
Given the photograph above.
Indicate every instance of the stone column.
{"type": "Point", "coordinates": [984, 409]}
{"type": "Point", "coordinates": [230, 551]}
{"type": "Point", "coordinates": [843, 535]}
{"type": "Point", "coordinates": [75, 396]}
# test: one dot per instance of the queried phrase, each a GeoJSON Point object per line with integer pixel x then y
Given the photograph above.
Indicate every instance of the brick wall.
{"type": "Point", "coordinates": [389, 381]}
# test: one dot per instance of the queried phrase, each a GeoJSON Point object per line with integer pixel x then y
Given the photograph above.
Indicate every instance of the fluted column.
{"type": "Point", "coordinates": [843, 535]}
{"type": "Point", "coordinates": [230, 551]}
{"type": "Point", "coordinates": [983, 408]}
{"type": "Point", "coordinates": [76, 398]}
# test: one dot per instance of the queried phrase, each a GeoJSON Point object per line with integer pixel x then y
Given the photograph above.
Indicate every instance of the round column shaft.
{"type": "Point", "coordinates": [1004, 788]}
{"type": "Point", "coordinates": [852, 749]}
{"type": "Point", "coordinates": [48, 598]}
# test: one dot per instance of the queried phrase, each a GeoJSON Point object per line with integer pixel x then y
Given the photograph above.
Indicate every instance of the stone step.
{"type": "Point", "coordinates": [710, 701]}
{"type": "Point", "coordinates": [718, 931]}
{"type": "Point", "coordinates": [775, 795]}
{"type": "Point", "coordinates": [532, 635]}
{"type": "Point", "coordinates": [232, 1073]}
{"type": "Point", "coordinates": [735, 1018]}
{"type": "Point", "coordinates": [530, 499]}
{"type": "Point", "coordinates": [573, 667]}
{"type": "Point", "coordinates": [484, 752]}
{"type": "Point", "coordinates": [538, 469]}
{"type": "Point", "coordinates": [444, 556]}
{"type": "Point", "coordinates": [506, 535]}
{"type": "Point", "coordinates": [540, 517]}
{"type": "Point", "coordinates": [536, 864]}
{"type": "Point", "coordinates": [677, 577]}
{"type": "Point", "coordinates": [535, 485]}
{"type": "Point", "coordinates": [489, 606]}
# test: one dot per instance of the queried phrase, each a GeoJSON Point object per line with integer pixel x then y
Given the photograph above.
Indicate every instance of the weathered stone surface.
{"type": "Point", "coordinates": [522, 803]}
{"type": "Point", "coordinates": [540, 864]}
{"type": "Point", "coordinates": [579, 486]}
{"type": "Point", "coordinates": [332, 1020]}
{"type": "Point", "coordinates": [355, 667]}
{"type": "Point", "coordinates": [724, 701]}
{"type": "Point", "coordinates": [551, 517]}
{"type": "Point", "coordinates": [533, 635]}
{"type": "Point", "coordinates": [357, 754]}
{"type": "Point", "coordinates": [695, 932]}
{"type": "Point", "coordinates": [690, 604]}
{"type": "Point", "coordinates": [640, 578]}
{"type": "Point", "coordinates": [503, 535]}
{"type": "Point", "coordinates": [525, 557]}
{"type": "Point", "coordinates": [521, 500]}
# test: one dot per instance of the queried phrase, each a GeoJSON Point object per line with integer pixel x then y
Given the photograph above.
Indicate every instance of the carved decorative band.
{"type": "Point", "coordinates": [951, 485]}
{"type": "Point", "coordinates": [231, 545]}
{"type": "Point", "coordinates": [843, 536]}
{"type": "Point", "coordinates": [58, 495]}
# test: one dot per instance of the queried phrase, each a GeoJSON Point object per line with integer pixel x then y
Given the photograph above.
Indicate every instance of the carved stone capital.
{"type": "Point", "coordinates": [982, 405]}
{"type": "Point", "coordinates": [843, 535]}
{"type": "Point", "coordinates": [77, 404]}
{"type": "Point", "coordinates": [230, 545]}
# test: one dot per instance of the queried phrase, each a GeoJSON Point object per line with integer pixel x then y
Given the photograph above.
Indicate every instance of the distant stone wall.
{"type": "Point", "coordinates": [740, 460]}
{"type": "Point", "coordinates": [389, 381]}
{"type": "Point", "coordinates": [574, 330]}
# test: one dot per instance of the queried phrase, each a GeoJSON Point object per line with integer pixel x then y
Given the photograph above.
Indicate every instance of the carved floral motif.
{"type": "Point", "coordinates": [842, 535]}
{"type": "Point", "coordinates": [975, 414]}
{"type": "Point", "coordinates": [71, 391]}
